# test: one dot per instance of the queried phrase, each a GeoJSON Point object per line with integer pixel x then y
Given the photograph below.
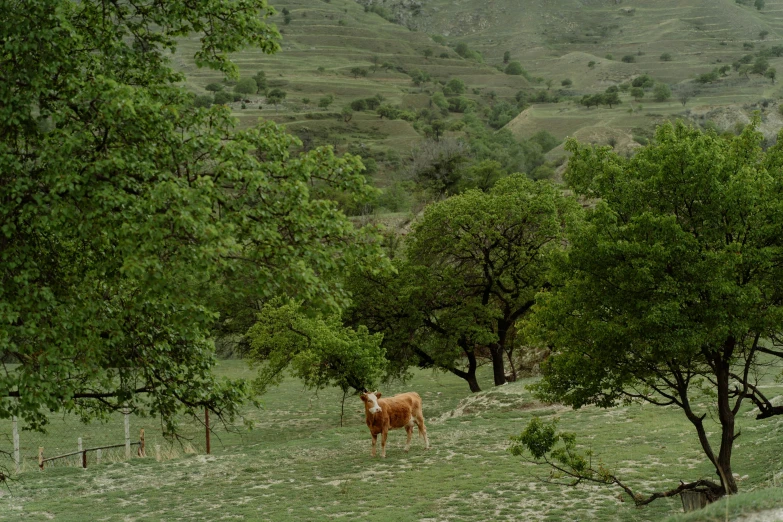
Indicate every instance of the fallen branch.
{"type": "Point", "coordinates": [558, 451]}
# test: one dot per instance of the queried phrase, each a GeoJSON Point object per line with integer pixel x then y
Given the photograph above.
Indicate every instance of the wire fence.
{"type": "Point", "coordinates": [115, 439]}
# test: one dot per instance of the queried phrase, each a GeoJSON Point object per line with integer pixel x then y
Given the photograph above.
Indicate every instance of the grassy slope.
{"type": "Point", "coordinates": [299, 465]}
{"type": "Point", "coordinates": [337, 36]}
{"type": "Point", "coordinates": [552, 39]}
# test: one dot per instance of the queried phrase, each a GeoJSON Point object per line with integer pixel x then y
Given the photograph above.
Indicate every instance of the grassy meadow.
{"type": "Point", "coordinates": [297, 463]}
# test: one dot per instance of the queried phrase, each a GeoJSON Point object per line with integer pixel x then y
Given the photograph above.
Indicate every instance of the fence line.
{"type": "Point", "coordinates": [101, 441]}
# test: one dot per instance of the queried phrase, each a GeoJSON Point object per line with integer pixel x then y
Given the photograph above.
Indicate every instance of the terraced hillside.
{"type": "Point", "coordinates": [568, 49]}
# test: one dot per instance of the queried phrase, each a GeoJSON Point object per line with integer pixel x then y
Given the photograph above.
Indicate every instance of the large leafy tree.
{"type": "Point", "coordinates": [130, 219]}
{"type": "Point", "coordinates": [671, 292]}
{"type": "Point", "coordinates": [471, 270]}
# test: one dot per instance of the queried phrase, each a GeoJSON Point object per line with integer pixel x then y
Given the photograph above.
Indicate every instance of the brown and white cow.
{"type": "Point", "coordinates": [400, 411]}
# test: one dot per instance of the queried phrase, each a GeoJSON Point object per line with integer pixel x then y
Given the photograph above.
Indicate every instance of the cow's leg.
{"type": "Point", "coordinates": [374, 440]}
{"type": "Point", "coordinates": [409, 430]}
{"type": "Point", "coordinates": [422, 430]}
{"type": "Point", "coordinates": [383, 442]}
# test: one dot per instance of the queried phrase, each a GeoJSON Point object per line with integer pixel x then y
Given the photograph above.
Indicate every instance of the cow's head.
{"type": "Point", "coordinates": [371, 401]}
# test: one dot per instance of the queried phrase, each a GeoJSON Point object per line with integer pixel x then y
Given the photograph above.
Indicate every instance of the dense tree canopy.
{"type": "Point", "coordinates": [130, 219]}
{"type": "Point", "coordinates": [672, 291]}
{"type": "Point", "coordinates": [472, 267]}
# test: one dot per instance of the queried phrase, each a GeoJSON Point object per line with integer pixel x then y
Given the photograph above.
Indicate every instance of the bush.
{"type": "Point", "coordinates": [205, 101]}
{"type": "Point", "coordinates": [246, 86]}
{"type": "Point", "coordinates": [326, 101]}
{"type": "Point", "coordinates": [629, 58]}
{"type": "Point", "coordinates": [223, 97]}
{"type": "Point", "coordinates": [214, 87]}
{"type": "Point", "coordinates": [566, 83]}
{"type": "Point", "coordinates": [455, 86]}
{"type": "Point", "coordinates": [460, 104]}
{"type": "Point", "coordinates": [359, 105]}
{"type": "Point", "coordinates": [644, 81]}
{"type": "Point", "coordinates": [440, 101]}
{"type": "Point", "coordinates": [545, 140]}
{"type": "Point", "coordinates": [515, 69]}
{"type": "Point", "coordinates": [661, 92]}
{"type": "Point", "coordinates": [666, 57]}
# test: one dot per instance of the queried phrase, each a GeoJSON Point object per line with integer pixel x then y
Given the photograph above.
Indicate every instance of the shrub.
{"type": "Point", "coordinates": [454, 86]}
{"type": "Point", "coordinates": [246, 86]}
{"type": "Point", "coordinates": [205, 101]}
{"type": "Point", "coordinates": [644, 81]}
{"type": "Point", "coordinates": [214, 87]}
{"type": "Point", "coordinates": [566, 83]}
{"type": "Point", "coordinates": [326, 101]}
{"type": "Point", "coordinates": [629, 58]}
{"type": "Point", "coordinates": [359, 105]}
{"type": "Point", "coordinates": [661, 92]}
{"type": "Point", "coordinates": [515, 69]}
{"type": "Point", "coordinates": [666, 57]}
{"type": "Point", "coordinates": [223, 97]}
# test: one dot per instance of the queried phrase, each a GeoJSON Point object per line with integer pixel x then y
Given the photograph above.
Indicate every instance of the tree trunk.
{"type": "Point", "coordinates": [498, 366]}
{"type": "Point", "coordinates": [726, 417]}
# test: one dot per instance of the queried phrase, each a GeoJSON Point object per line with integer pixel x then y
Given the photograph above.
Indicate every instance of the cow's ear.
{"type": "Point", "coordinates": [363, 397]}
{"type": "Point", "coordinates": [377, 395]}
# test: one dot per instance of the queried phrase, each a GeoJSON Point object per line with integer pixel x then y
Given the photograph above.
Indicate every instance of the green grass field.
{"type": "Point", "coordinates": [299, 464]}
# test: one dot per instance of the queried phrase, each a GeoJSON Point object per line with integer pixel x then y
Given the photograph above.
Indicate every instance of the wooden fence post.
{"type": "Point", "coordinates": [142, 444]}
{"type": "Point", "coordinates": [40, 458]}
{"type": "Point", "coordinates": [206, 422]}
{"type": "Point", "coordinates": [84, 453]}
{"type": "Point", "coordinates": [127, 434]}
{"type": "Point", "coordinates": [17, 461]}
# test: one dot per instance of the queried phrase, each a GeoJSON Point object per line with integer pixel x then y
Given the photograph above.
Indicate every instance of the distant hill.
{"type": "Point", "coordinates": [567, 48]}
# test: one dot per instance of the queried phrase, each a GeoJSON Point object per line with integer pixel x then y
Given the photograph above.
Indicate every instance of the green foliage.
{"type": "Point", "coordinates": [566, 83]}
{"type": "Point", "coordinates": [359, 71]}
{"type": "Point", "coordinates": [347, 114]}
{"type": "Point", "coordinates": [359, 105]}
{"type": "Point", "coordinates": [637, 93]}
{"type": "Point", "coordinates": [674, 274]}
{"type": "Point", "coordinates": [205, 101]}
{"type": "Point", "coordinates": [460, 104]}
{"type": "Point", "coordinates": [223, 97]}
{"type": "Point", "coordinates": [545, 140]}
{"type": "Point", "coordinates": [315, 348]}
{"type": "Point", "coordinates": [440, 101]}
{"type": "Point", "coordinates": [473, 265]}
{"type": "Point", "coordinates": [454, 86]}
{"type": "Point", "coordinates": [661, 92]}
{"type": "Point", "coordinates": [515, 69]}
{"type": "Point", "coordinates": [464, 51]}
{"type": "Point", "coordinates": [388, 112]}
{"type": "Point", "coordinates": [325, 101]}
{"type": "Point", "coordinates": [137, 228]}
{"type": "Point", "coordinates": [591, 64]}
{"type": "Point", "coordinates": [709, 77]}
{"type": "Point", "coordinates": [644, 81]}
{"type": "Point", "coordinates": [419, 77]}
{"type": "Point", "coordinates": [501, 146]}
{"type": "Point", "coordinates": [506, 56]}
{"type": "Point", "coordinates": [666, 57]}
{"type": "Point", "coordinates": [629, 58]}
{"type": "Point", "coordinates": [246, 86]}
{"type": "Point", "coordinates": [214, 87]}
{"type": "Point", "coordinates": [275, 96]}
{"type": "Point", "coordinates": [501, 113]}
{"type": "Point", "coordinates": [760, 66]}
{"type": "Point", "coordinates": [262, 83]}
